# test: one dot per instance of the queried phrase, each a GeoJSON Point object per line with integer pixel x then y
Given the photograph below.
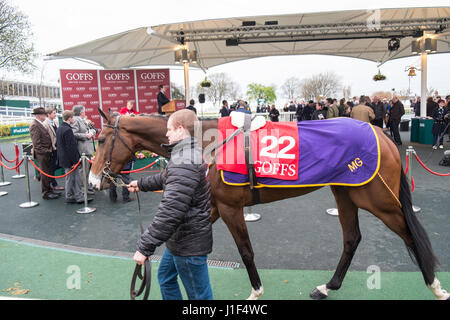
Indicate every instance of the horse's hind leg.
{"type": "Point", "coordinates": [234, 219]}
{"type": "Point", "coordinates": [348, 217]}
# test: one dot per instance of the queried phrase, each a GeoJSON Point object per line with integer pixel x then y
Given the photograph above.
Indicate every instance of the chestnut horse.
{"type": "Point", "coordinates": [125, 135]}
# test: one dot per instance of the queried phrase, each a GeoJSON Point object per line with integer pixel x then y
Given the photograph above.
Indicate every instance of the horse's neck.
{"type": "Point", "coordinates": [150, 134]}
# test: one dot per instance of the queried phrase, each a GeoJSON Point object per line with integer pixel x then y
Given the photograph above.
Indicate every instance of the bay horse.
{"type": "Point", "coordinates": [124, 135]}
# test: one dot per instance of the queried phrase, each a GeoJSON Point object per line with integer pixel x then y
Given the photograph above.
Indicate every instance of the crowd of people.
{"type": "Point", "coordinates": [383, 113]}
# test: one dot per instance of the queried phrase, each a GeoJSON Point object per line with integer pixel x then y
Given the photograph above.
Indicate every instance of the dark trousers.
{"type": "Point", "coordinates": [395, 130]}
{"type": "Point", "coordinates": [378, 123]}
{"type": "Point", "coordinates": [125, 193]}
{"type": "Point", "coordinates": [54, 166]}
{"type": "Point", "coordinates": [44, 161]}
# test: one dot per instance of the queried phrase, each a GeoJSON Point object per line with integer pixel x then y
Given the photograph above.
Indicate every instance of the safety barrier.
{"type": "Point", "coordinates": [83, 160]}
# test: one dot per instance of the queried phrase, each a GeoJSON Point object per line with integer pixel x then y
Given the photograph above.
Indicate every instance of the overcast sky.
{"type": "Point", "coordinates": [59, 24]}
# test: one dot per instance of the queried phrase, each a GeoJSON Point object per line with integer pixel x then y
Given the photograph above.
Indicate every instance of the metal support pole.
{"type": "Point", "coordinates": [2, 178]}
{"type": "Point", "coordinates": [251, 217]}
{"type": "Point", "coordinates": [423, 84]}
{"type": "Point", "coordinates": [186, 83]}
{"type": "Point", "coordinates": [29, 203]}
{"type": "Point", "coordinates": [85, 209]}
{"type": "Point", "coordinates": [410, 153]}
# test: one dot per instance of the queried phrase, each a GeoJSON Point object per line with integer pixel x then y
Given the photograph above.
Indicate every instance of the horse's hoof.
{"type": "Point", "coordinates": [317, 295]}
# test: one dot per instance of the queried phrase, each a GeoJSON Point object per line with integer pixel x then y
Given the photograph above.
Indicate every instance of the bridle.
{"type": "Point", "coordinates": [107, 172]}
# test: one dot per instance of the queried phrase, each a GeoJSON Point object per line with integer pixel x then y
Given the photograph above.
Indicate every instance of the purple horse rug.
{"type": "Point", "coordinates": [338, 151]}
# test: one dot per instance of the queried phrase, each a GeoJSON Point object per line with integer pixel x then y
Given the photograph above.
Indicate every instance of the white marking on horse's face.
{"type": "Point", "coordinates": [95, 180]}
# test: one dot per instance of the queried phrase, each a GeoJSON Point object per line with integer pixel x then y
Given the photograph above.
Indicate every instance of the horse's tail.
{"type": "Point", "coordinates": [420, 249]}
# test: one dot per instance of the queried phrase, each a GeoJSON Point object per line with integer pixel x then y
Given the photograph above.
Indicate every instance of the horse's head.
{"type": "Point", "coordinates": [115, 149]}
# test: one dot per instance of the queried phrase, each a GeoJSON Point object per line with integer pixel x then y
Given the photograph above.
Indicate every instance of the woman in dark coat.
{"type": "Point", "coordinates": [274, 114]}
{"type": "Point", "coordinates": [439, 124]}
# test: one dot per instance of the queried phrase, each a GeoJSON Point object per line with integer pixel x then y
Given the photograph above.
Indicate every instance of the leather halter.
{"type": "Point", "coordinates": [106, 169]}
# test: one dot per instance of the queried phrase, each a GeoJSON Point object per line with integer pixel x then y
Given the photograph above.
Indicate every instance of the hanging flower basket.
{"type": "Point", "coordinates": [205, 83]}
{"type": "Point", "coordinates": [379, 76]}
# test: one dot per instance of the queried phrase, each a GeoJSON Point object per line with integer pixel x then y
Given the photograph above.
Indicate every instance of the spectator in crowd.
{"type": "Point", "coordinates": [51, 123]}
{"type": "Point", "coordinates": [292, 107]}
{"type": "Point", "coordinates": [274, 114]}
{"type": "Point", "coordinates": [162, 98]}
{"type": "Point", "coordinates": [191, 106]}
{"type": "Point", "coordinates": [332, 109]}
{"type": "Point", "coordinates": [182, 220]}
{"type": "Point", "coordinates": [415, 105]}
{"type": "Point", "coordinates": [299, 112]}
{"type": "Point", "coordinates": [128, 109]}
{"type": "Point", "coordinates": [396, 113]}
{"type": "Point", "coordinates": [84, 137]}
{"type": "Point", "coordinates": [68, 157]}
{"type": "Point", "coordinates": [308, 110]}
{"type": "Point", "coordinates": [347, 109]}
{"type": "Point", "coordinates": [440, 116]}
{"type": "Point", "coordinates": [225, 110]}
{"type": "Point", "coordinates": [448, 119]}
{"type": "Point", "coordinates": [431, 105]}
{"type": "Point", "coordinates": [319, 113]}
{"type": "Point", "coordinates": [42, 150]}
{"type": "Point", "coordinates": [362, 112]}
{"type": "Point", "coordinates": [378, 109]}
{"type": "Point", "coordinates": [241, 107]}
{"type": "Point", "coordinates": [342, 106]}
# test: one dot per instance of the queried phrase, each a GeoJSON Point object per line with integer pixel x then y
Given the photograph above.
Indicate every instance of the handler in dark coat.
{"type": "Point", "coordinates": [68, 156]}
{"type": "Point", "coordinates": [182, 220]}
{"type": "Point", "coordinates": [440, 117]}
{"type": "Point", "coordinates": [162, 98]}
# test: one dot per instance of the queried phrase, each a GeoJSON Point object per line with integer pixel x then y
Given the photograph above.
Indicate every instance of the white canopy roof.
{"type": "Point", "coordinates": [360, 34]}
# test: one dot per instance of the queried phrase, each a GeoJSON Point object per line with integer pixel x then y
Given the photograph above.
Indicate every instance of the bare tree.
{"type": "Point", "coordinates": [320, 86]}
{"type": "Point", "coordinates": [291, 88]}
{"type": "Point", "coordinates": [222, 87]}
{"type": "Point", "coordinates": [16, 52]}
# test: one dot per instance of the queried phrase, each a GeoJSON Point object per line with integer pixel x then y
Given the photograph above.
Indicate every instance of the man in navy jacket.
{"type": "Point", "coordinates": [68, 157]}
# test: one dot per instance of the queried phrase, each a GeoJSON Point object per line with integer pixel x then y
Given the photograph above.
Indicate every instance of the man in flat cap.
{"type": "Point", "coordinates": [42, 151]}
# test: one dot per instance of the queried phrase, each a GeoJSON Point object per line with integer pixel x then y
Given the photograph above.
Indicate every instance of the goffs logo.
{"type": "Point", "coordinates": [153, 76]}
{"type": "Point", "coordinates": [79, 76]}
{"type": "Point", "coordinates": [117, 76]}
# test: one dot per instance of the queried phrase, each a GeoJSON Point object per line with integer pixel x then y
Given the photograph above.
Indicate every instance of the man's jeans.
{"type": "Point", "coordinates": [193, 272]}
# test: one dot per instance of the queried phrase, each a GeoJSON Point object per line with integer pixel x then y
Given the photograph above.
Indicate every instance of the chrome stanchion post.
{"type": "Point", "coordinates": [85, 209]}
{"type": "Point", "coordinates": [18, 175]}
{"type": "Point", "coordinates": [410, 152]}
{"type": "Point", "coordinates": [2, 178]}
{"type": "Point", "coordinates": [251, 217]}
{"type": "Point", "coordinates": [29, 203]}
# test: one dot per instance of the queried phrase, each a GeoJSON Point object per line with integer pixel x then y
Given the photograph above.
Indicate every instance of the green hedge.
{"type": "Point", "coordinates": [5, 130]}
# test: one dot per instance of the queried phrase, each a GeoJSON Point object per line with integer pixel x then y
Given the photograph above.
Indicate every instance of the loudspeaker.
{"type": "Point", "coordinates": [27, 148]}
{"type": "Point", "coordinates": [201, 98]}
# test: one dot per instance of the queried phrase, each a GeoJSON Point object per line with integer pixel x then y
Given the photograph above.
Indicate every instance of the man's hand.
{"type": "Point", "coordinates": [88, 136]}
{"type": "Point", "coordinates": [139, 258]}
{"type": "Point", "coordinates": [133, 186]}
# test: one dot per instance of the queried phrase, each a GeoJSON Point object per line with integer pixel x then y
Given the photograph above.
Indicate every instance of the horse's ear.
{"type": "Point", "coordinates": [103, 114]}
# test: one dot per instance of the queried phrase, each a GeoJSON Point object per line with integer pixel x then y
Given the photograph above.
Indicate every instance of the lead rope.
{"type": "Point", "coordinates": [147, 275]}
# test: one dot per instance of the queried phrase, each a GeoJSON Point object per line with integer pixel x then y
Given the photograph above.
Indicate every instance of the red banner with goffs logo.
{"type": "Point", "coordinates": [148, 82]}
{"type": "Point", "coordinates": [275, 150]}
{"type": "Point", "coordinates": [117, 88]}
{"type": "Point", "coordinates": [80, 87]}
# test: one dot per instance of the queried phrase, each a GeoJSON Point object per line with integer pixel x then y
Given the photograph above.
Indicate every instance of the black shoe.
{"type": "Point", "coordinates": [82, 201]}
{"type": "Point", "coordinates": [70, 201]}
{"type": "Point", "coordinates": [50, 196]}
{"type": "Point", "coordinates": [89, 192]}
{"type": "Point", "coordinates": [56, 192]}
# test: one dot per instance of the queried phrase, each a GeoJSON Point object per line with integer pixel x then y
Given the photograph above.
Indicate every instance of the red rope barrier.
{"type": "Point", "coordinates": [407, 164]}
{"type": "Point", "coordinates": [143, 168]}
{"type": "Point", "coordinates": [15, 160]}
{"type": "Point", "coordinates": [55, 177]}
{"type": "Point", "coordinates": [413, 186]}
{"type": "Point", "coordinates": [426, 168]}
{"type": "Point", "coordinates": [13, 168]}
